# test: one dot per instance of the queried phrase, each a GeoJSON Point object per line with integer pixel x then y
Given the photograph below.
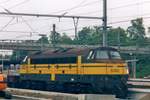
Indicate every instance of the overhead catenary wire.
{"type": "Point", "coordinates": [10, 31]}
{"type": "Point", "coordinates": [118, 7]}
{"type": "Point", "coordinates": [18, 4]}
{"type": "Point", "coordinates": [122, 6]}
{"type": "Point", "coordinates": [128, 5]}
{"type": "Point", "coordinates": [81, 4]}
{"type": "Point", "coordinates": [143, 15]}
{"type": "Point", "coordinates": [31, 20]}
{"type": "Point", "coordinates": [28, 24]}
{"type": "Point", "coordinates": [35, 20]}
{"type": "Point", "coordinates": [119, 21]}
{"type": "Point", "coordinates": [109, 23]}
{"type": "Point", "coordinates": [71, 22]}
{"type": "Point", "coordinates": [69, 29]}
{"type": "Point", "coordinates": [49, 15]}
{"type": "Point", "coordinates": [71, 7]}
{"type": "Point", "coordinates": [6, 24]}
{"type": "Point", "coordinates": [128, 20]}
{"type": "Point", "coordinates": [61, 16]}
{"type": "Point", "coordinates": [89, 3]}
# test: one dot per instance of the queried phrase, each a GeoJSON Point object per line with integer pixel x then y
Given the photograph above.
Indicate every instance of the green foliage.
{"type": "Point", "coordinates": [117, 36]}
{"type": "Point", "coordinates": [89, 36]}
{"type": "Point", "coordinates": [43, 40]}
{"type": "Point", "coordinates": [65, 39]}
{"type": "Point", "coordinates": [143, 68]}
{"type": "Point", "coordinates": [55, 38]}
{"type": "Point", "coordinates": [136, 32]}
{"type": "Point", "coordinates": [85, 35]}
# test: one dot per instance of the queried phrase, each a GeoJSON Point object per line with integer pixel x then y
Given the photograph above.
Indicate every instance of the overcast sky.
{"type": "Point", "coordinates": [119, 14]}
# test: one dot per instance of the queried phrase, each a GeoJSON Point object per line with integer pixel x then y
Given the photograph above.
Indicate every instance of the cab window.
{"type": "Point", "coordinates": [101, 54]}
{"type": "Point", "coordinates": [115, 55]}
{"type": "Point", "coordinates": [25, 61]}
{"type": "Point", "coordinates": [90, 55]}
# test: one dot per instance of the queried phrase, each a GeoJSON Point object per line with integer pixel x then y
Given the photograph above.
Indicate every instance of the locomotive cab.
{"type": "Point", "coordinates": [103, 55]}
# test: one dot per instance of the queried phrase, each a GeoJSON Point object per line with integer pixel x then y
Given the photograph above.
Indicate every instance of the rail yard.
{"type": "Point", "coordinates": [74, 50]}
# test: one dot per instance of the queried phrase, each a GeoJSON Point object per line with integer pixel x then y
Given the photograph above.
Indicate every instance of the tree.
{"type": "Point", "coordinates": [89, 36]}
{"type": "Point", "coordinates": [65, 39]}
{"type": "Point", "coordinates": [55, 37]}
{"type": "Point", "coordinates": [84, 35]}
{"type": "Point", "coordinates": [96, 36]}
{"type": "Point", "coordinates": [117, 36]}
{"type": "Point", "coordinates": [43, 39]}
{"type": "Point", "coordinates": [136, 31]}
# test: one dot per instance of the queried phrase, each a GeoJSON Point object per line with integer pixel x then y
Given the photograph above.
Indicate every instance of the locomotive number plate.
{"type": "Point", "coordinates": [114, 70]}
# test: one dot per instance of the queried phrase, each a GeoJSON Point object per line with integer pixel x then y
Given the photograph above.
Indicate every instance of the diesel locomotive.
{"type": "Point", "coordinates": [86, 70]}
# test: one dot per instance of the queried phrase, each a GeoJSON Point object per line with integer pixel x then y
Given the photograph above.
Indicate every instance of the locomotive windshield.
{"type": "Point", "coordinates": [115, 55]}
{"type": "Point", "coordinates": [103, 54]}
{"type": "Point", "coordinates": [98, 54]}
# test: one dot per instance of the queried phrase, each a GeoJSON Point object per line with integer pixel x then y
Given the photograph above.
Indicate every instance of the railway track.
{"type": "Point", "coordinates": [139, 89]}
{"type": "Point", "coordinates": [139, 83]}
{"type": "Point", "coordinates": [139, 94]}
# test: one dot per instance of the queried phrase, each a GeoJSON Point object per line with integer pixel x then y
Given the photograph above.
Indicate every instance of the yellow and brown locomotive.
{"type": "Point", "coordinates": [84, 70]}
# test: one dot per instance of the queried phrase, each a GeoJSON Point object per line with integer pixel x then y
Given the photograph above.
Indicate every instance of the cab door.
{"type": "Point", "coordinates": [115, 65]}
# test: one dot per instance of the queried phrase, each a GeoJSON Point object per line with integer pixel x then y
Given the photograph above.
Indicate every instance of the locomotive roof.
{"type": "Point", "coordinates": [67, 52]}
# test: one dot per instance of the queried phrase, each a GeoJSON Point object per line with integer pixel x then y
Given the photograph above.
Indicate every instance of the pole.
{"type": "Point", "coordinates": [2, 60]}
{"type": "Point", "coordinates": [76, 27]}
{"type": "Point", "coordinates": [41, 43]}
{"type": "Point", "coordinates": [54, 35]}
{"type": "Point", "coordinates": [104, 23]}
{"type": "Point", "coordinates": [119, 40]}
{"type": "Point", "coordinates": [134, 67]}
